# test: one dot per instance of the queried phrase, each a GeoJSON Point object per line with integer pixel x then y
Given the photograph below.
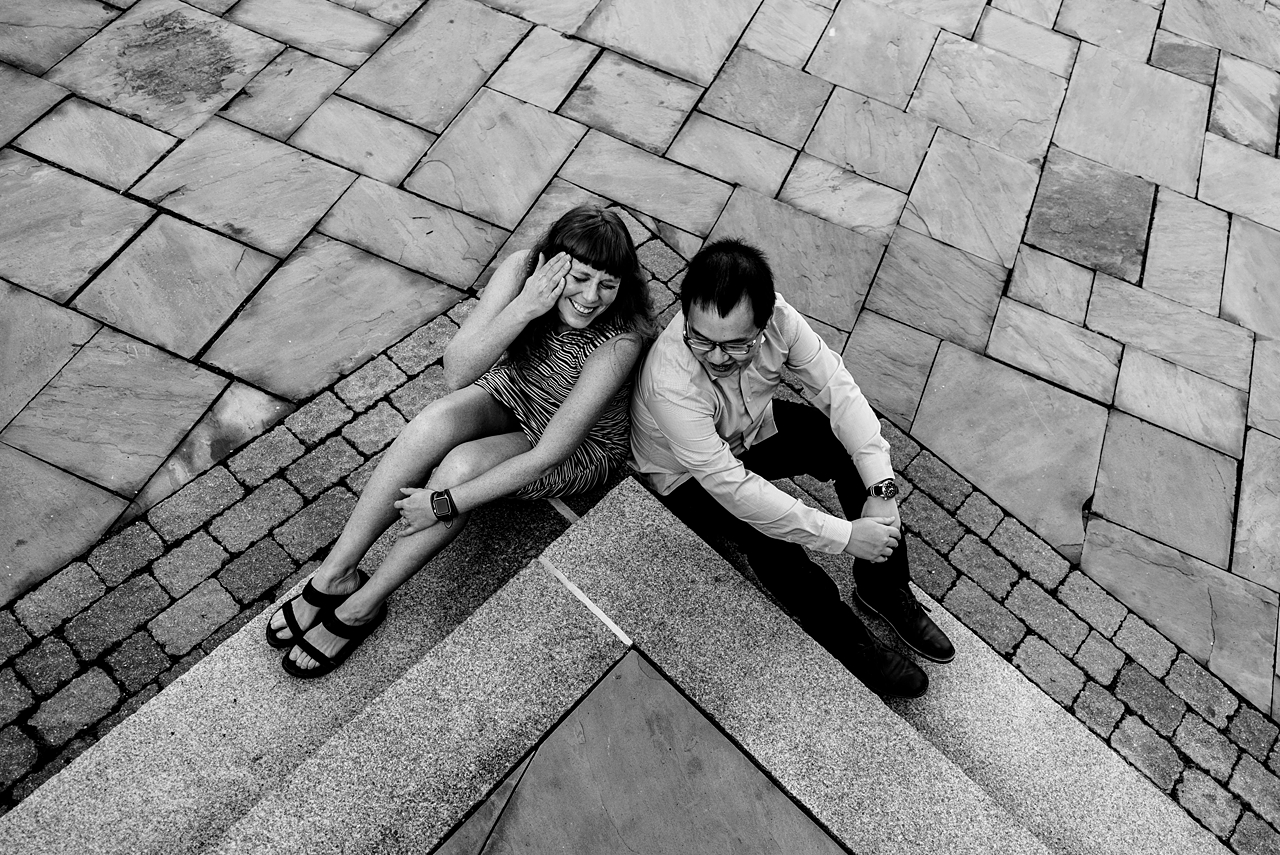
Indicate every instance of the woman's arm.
{"type": "Point", "coordinates": [507, 305]}
{"type": "Point", "coordinates": [602, 376]}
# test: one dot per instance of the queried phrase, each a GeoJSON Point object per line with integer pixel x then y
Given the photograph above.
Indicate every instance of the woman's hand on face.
{"type": "Point", "coordinates": [415, 510]}
{"type": "Point", "coordinates": [541, 290]}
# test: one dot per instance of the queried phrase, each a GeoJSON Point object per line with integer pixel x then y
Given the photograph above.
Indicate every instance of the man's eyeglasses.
{"type": "Point", "coordinates": [729, 348]}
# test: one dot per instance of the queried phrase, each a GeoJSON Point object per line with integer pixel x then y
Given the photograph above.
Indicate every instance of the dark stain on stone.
{"type": "Point", "coordinates": [170, 56]}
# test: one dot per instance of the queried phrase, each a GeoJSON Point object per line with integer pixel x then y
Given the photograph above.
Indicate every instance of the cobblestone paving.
{"type": "Point", "coordinates": [1042, 233]}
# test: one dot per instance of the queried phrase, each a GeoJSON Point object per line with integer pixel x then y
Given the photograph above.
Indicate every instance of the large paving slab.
{"type": "Point", "coordinates": [822, 269]}
{"type": "Point", "coordinates": [175, 285]}
{"type": "Point", "coordinates": [787, 30]}
{"type": "Point", "coordinates": [37, 338]}
{"type": "Point", "coordinates": [1264, 391]}
{"type": "Point", "coordinates": [972, 197]}
{"type": "Point", "coordinates": [1188, 251]}
{"type": "Point", "coordinates": [1125, 27]}
{"type": "Point", "coordinates": [890, 362]}
{"type": "Point", "coordinates": [96, 143]}
{"type": "Point", "coordinates": [871, 138]}
{"type": "Point", "coordinates": [1220, 619]}
{"type": "Point", "coordinates": [958, 16]}
{"type": "Point", "coordinates": [1055, 350]}
{"type": "Point", "coordinates": [1248, 31]}
{"type": "Point", "coordinates": [284, 94]}
{"type": "Point", "coordinates": [1187, 403]}
{"type": "Point", "coordinates": [846, 198]}
{"type": "Point", "coordinates": [632, 102]}
{"type": "Point", "coordinates": [1031, 447]}
{"type": "Point", "coordinates": [318, 27]}
{"type": "Point", "coordinates": [544, 68]}
{"type": "Point", "coordinates": [1250, 296]}
{"type": "Point", "coordinates": [1172, 331]}
{"type": "Point", "coordinates": [989, 97]}
{"type": "Point", "coordinates": [26, 98]}
{"type": "Point", "coordinates": [1064, 783]}
{"type": "Point", "coordinates": [1185, 57]}
{"type": "Point", "coordinates": [1256, 555]}
{"type": "Point", "coordinates": [938, 289]}
{"type": "Point", "coordinates": [1240, 180]}
{"type": "Point", "coordinates": [859, 769]}
{"type": "Point", "coordinates": [640, 180]}
{"type": "Point", "coordinates": [246, 186]}
{"type": "Point", "coordinates": [1051, 284]}
{"type": "Point", "coordinates": [850, 53]}
{"type": "Point", "coordinates": [732, 154]}
{"type": "Point", "coordinates": [1135, 118]}
{"type": "Point", "coordinates": [687, 40]}
{"type": "Point", "coordinates": [1246, 104]}
{"type": "Point", "coordinates": [47, 517]}
{"type": "Point", "coordinates": [767, 97]}
{"type": "Point", "coordinates": [36, 34]}
{"type": "Point", "coordinates": [322, 314]}
{"type": "Point", "coordinates": [132, 66]}
{"type": "Point", "coordinates": [495, 158]}
{"type": "Point", "coordinates": [1027, 41]}
{"type": "Point", "coordinates": [1143, 466]}
{"type": "Point", "coordinates": [56, 229]}
{"type": "Point", "coordinates": [428, 71]}
{"type": "Point", "coordinates": [114, 412]}
{"type": "Point", "coordinates": [412, 231]}
{"type": "Point", "coordinates": [1091, 214]}
{"type": "Point", "coordinates": [563, 15]}
{"type": "Point", "coordinates": [363, 140]}
{"type": "Point", "coordinates": [1042, 12]}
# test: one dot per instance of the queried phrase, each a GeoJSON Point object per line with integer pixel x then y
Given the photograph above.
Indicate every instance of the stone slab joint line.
{"type": "Point", "coordinates": [586, 601]}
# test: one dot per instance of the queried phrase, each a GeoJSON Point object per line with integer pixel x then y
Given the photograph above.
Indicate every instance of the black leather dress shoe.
{"type": "Point", "coordinates": [910, 620]}
{"type": "Point", "coordinates": [884, 671]}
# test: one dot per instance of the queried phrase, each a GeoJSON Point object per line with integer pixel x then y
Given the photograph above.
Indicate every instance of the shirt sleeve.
{"type": "Point", "coordinates": [688, 423]}
{"type": "Point", "coordinates": [835, 393]}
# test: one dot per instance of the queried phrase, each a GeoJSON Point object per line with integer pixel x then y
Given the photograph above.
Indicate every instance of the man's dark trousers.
{"type": "Point", "coordinates": [803, 445]}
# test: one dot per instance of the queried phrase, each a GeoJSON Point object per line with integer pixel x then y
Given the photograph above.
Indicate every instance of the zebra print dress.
{"type": "Point", "coordinates": [534, 386]}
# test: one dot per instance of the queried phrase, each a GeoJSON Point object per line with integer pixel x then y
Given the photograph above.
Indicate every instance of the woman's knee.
{"type": "Point", "coordinates": [460, 465]}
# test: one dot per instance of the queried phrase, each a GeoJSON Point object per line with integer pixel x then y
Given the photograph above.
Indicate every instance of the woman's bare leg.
{"type": "Point", "coordinates": [442, 425]}
{"type": "Point", "coordinates": [408, 554]}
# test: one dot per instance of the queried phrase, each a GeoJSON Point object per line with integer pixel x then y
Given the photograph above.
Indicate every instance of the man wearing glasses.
{"type": "Point", "coordinates": [708, 436]}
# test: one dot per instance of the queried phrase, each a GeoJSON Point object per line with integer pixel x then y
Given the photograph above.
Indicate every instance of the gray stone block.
{"type": "Point", "coordinates": [990, 620]}
{"type": "Point", "coordinates": [324, 466]}
{"type": "Point", "coordinates": [1099, 658]}
{"type": "Point", "coordinates": [1050, 670]}
{"type": "Point", "coordinates": [126, 709]}
{"type": "Point", "coordinates": [359, 478]}
{"type": "Point", "coordinates": [116, 616]}
{"type": "Point", "coordinates": [318, 419]}
{"type": "Point", "coordinates": [980, 514]}
{"type": "Point", "coordinates": [265, 456]}
{"type": "Point", "coordinates": [1154, 757]}
{"type": "Point", "coordinates": [62, 596]}
{"type": "Point", "coordinates": [189, 565]}
{"type": "Point", "coordinates": [1254, 837]}
{"type": "Point", "coordinates": [929, 570]}
{"type": "Point", "coordinates": [231, 627]}
{"type": "Point", "coordinates": [182, 666]}
{"type": "Point", "coordinates": [1087, 599]}
{"type": "Point", "coordinates": [130, 550]}
{"type": "Point", "coordinates": [658, 258]}
{"type": "Point", "coordinates": [1047, 616]}
{"type": "Point", "coordinates": [1206, 694]}
{"type": "Point", "coordinates": [412, 397]}
{"type": "Point", "coordinates": [138, 661]}
{"type": "Point", "coordinates": [12, 637]}
{"type": "Point", "coordinates": [980, 563]}
{"type": "Point", "coordinates": [1206, 745]}
{"type": "Point", "coordinates": [250, 520]}
{"type": "Point", "coordinates": [193, 618]}
{"type": "Point", "coordinates": [1253, 732]}
{"type": "Point", "coordinates": [375, 430]}
{"type": "Point", "coordinates": [15, 698]}
{"type": "Point", "coordinates": [1148, 647]}
{"type": "Point", "coordinates": [1208, 802]}
{"type": "Point", "coordinates": [1029, 552]}
{"type": "Point", "coordinates": [317, 525]}
{"type": "Point", "coordinates": [1096, 707]}
{"type": "Point", "coordinates": [424, 345]}
{"type": "Point", "coordinates": [254, 573]}
{"type": "Point", "coordinates": [1258, 787]}
{"type": "Point", "coordinates": [923, 516]}
{"type": "Point", "coordinates": [17, 754]}
{"type": "Point", "coordinates": [939, 480]}
{"type": "Point", "coordinates": [86, 700]}
{"type": "Point", "coordinates": [1149, 698]}
{"type": "Point", "coordinates": [374, 380]}
{"type": "Point", "coordinates": [195, 504]}
{"type": "Point", "coordinates": [47, 666]}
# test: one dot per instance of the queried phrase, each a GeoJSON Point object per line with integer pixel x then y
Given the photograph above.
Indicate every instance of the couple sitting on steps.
{"type": "Point", "coordinates": [543, 372]}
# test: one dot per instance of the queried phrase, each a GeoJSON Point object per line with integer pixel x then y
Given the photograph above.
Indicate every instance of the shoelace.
{"type": "Point", "coordinates": [910, 605]}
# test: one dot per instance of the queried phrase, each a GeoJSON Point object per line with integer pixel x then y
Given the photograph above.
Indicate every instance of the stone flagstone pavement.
{"type": "Point", "coordinates": [1044, 234]}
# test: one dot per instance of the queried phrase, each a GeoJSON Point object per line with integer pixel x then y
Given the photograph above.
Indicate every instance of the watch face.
{"type": "Point", "coordinates": [887, 490]}
{"type": "Point", "coordinates": [440, 506]}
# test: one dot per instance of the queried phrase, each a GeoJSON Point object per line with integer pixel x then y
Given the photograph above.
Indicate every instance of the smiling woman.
{"type": "Point", "coordinates": [541, 373]}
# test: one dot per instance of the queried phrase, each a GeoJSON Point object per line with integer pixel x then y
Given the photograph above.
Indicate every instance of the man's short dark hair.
{"type": "Point", "coordinates": [722, 274]}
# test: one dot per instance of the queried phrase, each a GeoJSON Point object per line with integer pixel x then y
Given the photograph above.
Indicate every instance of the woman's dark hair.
{"type": "Point", "coordinates": [723, 273]}
{"type": "Point", "coordinates": [596, 237]}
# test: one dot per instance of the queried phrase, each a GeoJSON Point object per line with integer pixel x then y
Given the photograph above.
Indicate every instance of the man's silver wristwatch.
{"type": "Point", "coordinates": [886, 489]}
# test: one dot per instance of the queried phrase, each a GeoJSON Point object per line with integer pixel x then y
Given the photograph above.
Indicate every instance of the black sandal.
{"type": "Point", "coordinates": [353, 634]}
{"type": "Point", "coordinates": [312, 596]}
